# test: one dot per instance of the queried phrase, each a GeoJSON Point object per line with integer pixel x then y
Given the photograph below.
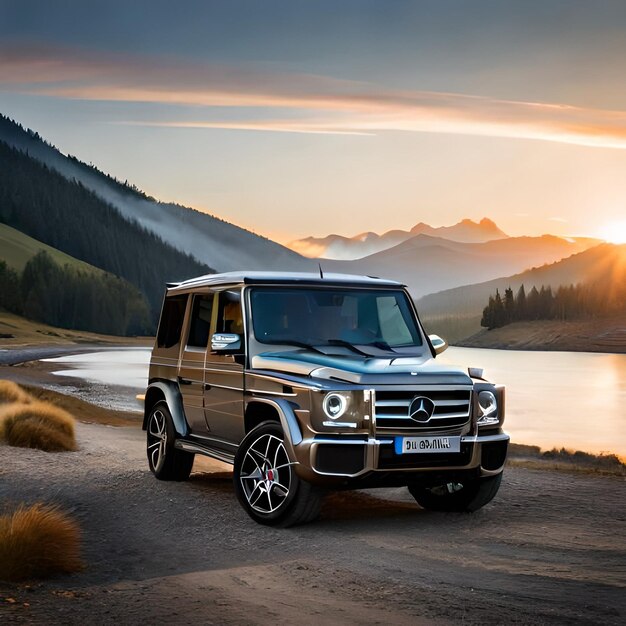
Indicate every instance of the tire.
{"type": "Point", "coordinates": [266, 485]}
{"type": "Point", "coordinates": [165, 461]}
{"type": "Point", "coordinates": [468, 496]}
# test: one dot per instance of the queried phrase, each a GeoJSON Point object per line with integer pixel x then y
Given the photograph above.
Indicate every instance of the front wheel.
{"type": "Point", "coordinates": [166, 462]}
{"type": "Point", "coordinates": [266, 484]}
{"type": "Point", "coordinates": [470, 495]}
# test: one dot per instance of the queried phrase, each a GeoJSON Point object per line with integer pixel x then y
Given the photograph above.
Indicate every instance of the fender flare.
{"type": "Point", "coordinates": [171, 393]}
{"type": "Point", "coordinates": [287, 418]}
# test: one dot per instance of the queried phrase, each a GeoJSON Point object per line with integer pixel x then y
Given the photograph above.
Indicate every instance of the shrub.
{"type": "Point", "coordinates": [10, 392]}
{"type": "Point", "coordinates": [38, 425]}
{"type": "Point", "coordinates": [38, 541]}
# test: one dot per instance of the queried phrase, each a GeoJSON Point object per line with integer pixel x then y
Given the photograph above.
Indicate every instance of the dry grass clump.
{"type": "Point", "coordinates": [38, 425]}
{"type": "Point", "coordinates": [38, 541]}
{"type": "Point", "coordinates": [11, 392]}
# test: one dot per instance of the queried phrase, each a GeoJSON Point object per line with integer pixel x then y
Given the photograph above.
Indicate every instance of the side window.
{"type": "Point", "coordinates": [229, 316]}
{"type": "Point", "coordinates": [171, 322]}
{"type": "Point", "coordinates": [200, 324]}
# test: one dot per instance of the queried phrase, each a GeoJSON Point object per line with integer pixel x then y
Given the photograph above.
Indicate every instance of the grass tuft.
{"type": "Point", "coordinates": [11, 392]}
{"type": "Point", "coordinates": [38, 425]}
{"type": "Point", "coordinates": [38, 541]}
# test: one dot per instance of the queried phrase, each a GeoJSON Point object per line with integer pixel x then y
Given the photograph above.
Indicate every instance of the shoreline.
{"type": "Point", "coordinates": [92, 405]}
{"type": "Point", "coordinates": [604, 336]}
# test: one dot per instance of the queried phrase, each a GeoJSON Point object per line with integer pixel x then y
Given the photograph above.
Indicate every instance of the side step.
{"type": "Point", "coordinates": [198, 448]}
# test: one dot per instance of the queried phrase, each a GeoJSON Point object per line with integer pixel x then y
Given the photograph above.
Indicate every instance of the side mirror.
{"type": "Point", "coordinates": [225, 341]}
{"type": "Point", "coordinates": [438, 343]}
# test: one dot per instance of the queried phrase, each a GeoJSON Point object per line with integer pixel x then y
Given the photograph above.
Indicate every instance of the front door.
{"type": "Point", "coordinates": [224, 374]}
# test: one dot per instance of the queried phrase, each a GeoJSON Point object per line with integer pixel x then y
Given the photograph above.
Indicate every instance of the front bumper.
{"type": "Point", "coordinates": [332, 461]}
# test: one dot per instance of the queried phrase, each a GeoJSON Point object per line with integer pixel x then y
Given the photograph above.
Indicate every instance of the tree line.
{"type": "Point", "coordinates": [66, 215]}
{"type": "Point", "coordinates": [582, 301]}
{"type": "Point", "coordinates": [68, 297]}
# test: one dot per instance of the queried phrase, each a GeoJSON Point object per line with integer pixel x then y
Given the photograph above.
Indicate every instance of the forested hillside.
{"type": "Point", "coordinates": [65, 215]}
{"type": "Point", "coordinates": [68, 296]}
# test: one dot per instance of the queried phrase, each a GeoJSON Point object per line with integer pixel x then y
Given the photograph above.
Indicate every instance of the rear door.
{"type": "Point", "coordinates": [191, 374]}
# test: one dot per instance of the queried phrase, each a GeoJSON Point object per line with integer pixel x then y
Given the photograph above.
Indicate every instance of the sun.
{"type": "Point", "coordinates": [615, 232]}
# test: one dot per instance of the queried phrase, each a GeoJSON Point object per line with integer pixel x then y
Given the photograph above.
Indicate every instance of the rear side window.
{"type": "Point", "coordinates": [171, 321]}
{"type": "Point", "coordinates": [200, 321]}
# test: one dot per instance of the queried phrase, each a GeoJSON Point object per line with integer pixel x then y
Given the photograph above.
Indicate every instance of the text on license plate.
{"type": "Point", "coordinates": [425, 445]}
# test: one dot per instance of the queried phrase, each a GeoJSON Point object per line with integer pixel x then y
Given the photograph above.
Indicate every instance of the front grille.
{"type": "Point", "coordinates": [451, 410]}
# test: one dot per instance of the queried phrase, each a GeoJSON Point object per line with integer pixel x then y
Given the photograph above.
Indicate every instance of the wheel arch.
{"type": "Point", "coordinates": [261, 410]}
{"type": "Point", "coordinates": [168, 391]}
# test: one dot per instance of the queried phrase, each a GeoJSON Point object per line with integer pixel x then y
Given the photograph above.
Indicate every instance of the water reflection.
{"type": "Point", "coordinates": [571, 399]}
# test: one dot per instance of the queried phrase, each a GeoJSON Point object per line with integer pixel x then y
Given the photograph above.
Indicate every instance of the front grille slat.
{"type": "Point", "coordinates": [452, 409]}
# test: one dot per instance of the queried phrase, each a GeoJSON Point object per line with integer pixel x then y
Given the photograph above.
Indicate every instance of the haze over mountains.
{"type": "Point", "coordinates": [64, 203]}
{"type": "Point", "coordinates": [430, 264]}
{"type": "Point", "coordinates": [604, 263]}
{"type": "Point", "coordinates": [347, 248]}
{"type": "Point", "coordinates": [210, 240]}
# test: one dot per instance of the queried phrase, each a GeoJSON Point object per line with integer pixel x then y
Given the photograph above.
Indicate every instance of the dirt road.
{"type": "Point", "coordinates": [550, 549]}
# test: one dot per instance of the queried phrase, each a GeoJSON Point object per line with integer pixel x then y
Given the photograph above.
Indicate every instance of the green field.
{"type": "Point", "coordinates": [16, 249]}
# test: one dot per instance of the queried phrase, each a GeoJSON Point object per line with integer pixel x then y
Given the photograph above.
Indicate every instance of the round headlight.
{"type": "Point", "coordinates": [335, 405]}
{"type": "Point", "coordinates": [487, 403]}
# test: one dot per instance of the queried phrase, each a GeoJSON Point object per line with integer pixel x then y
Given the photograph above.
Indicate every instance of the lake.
{"type": "Point", "coordinates": [571, 399]}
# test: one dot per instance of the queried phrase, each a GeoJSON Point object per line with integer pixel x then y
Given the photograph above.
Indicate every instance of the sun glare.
{"type": "Point", "coordinates": [615, 232]}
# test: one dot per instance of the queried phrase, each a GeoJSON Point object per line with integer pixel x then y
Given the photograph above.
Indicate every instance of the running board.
{"type": "Point", "coordinates": [197, 448]}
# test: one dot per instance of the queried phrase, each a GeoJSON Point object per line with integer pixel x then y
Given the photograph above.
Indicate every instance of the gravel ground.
{"type": "Point", "coordinates": [550, 549]}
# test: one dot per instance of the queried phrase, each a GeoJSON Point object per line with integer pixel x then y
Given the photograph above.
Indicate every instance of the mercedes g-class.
{"type": "Point", "coordinates": [306, 383]}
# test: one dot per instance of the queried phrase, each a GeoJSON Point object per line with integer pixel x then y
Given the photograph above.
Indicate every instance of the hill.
{"type": "Point", "coordinates": [65, 215]}
{"type": "Point", "coordinates": [602, 262]}
{"type": "Point", "coordinates": [212, 242]}
{"type": "Point", "coordinates": [16, 249]}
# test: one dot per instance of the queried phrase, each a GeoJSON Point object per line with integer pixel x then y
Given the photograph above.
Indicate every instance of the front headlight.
{"type": "Point", "coordinates": [335, 405]}
{"type": "Point", "coordinates": [488, 407]}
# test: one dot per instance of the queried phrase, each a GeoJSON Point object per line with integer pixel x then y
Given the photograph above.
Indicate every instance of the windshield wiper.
{"type": "Point", "coordinates": [347, 344]}
{"type": "Point", "coordinates": [299, 344]}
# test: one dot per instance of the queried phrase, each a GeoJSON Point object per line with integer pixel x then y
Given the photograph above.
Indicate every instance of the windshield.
{"type": "Point", "coordinates": [324, 317]}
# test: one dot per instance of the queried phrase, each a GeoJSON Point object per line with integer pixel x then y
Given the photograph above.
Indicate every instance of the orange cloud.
{"type": "Point", "coordinates": [318, 104]}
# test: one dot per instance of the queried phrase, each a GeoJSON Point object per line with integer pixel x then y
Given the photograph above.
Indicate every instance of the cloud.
{"type": "Point", "coordinates": [310, 103]}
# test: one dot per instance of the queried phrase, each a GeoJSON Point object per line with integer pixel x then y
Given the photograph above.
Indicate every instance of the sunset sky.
{"type": "Point", "coordinates": [304, 118]}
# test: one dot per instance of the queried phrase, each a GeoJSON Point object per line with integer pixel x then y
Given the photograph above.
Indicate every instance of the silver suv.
{"type": "Point", "coordinates": [306, 383]}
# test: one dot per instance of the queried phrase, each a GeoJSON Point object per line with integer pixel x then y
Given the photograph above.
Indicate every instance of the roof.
{"type": "Point", "coordinates": [282, 278]}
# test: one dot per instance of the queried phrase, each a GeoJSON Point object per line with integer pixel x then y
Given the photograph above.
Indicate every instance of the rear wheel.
{"type": "Point", "coordinates": [470, 495]}
{"type": "Point", "coordinates": [166, 462]}
{"type": "Point", "coordinates": [266, 485]}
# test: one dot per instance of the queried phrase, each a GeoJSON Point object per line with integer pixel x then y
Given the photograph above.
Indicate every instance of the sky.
{"type": "Point", "coordinates": [298, 118]}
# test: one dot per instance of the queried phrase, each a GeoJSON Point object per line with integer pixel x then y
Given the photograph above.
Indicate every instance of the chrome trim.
{"type": "Point", "coordinates": [283, 381]}
{"type": "Point", "coordinates": [272, 393]}
{"type": "Point", "coordinates": [222, 441]}
{"type": "Point", "coordinates": [485, 438]}
{"type": "Point", "coordinates": [340, 424]}
{"type": "Point", "coordinates": [189, 446]}
{"type": "Point", "coordinates": [211, 385]}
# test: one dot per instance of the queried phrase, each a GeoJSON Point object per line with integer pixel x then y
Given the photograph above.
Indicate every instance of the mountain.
{"type": "Point", "coordinates": [211, 241]}
{"type": "Point", "coordinates": [65, 215]}
{"type": "Point", "coordinates": [596, 265]}
{"type": "Point", "coordinates": [430, 264]}
{"type": "Point", "coordinates": [368, 243]}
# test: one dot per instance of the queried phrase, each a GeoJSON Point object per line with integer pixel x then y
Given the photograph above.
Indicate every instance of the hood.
{"type": "Point", "coordinates": [362, 370]}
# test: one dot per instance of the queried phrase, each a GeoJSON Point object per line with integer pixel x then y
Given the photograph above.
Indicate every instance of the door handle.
{"type": "Point", "coordinates": [184, 381]}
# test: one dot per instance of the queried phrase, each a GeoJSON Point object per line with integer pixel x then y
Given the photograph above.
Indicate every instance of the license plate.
{"type": "Point", "coordinates": [427, 445]}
